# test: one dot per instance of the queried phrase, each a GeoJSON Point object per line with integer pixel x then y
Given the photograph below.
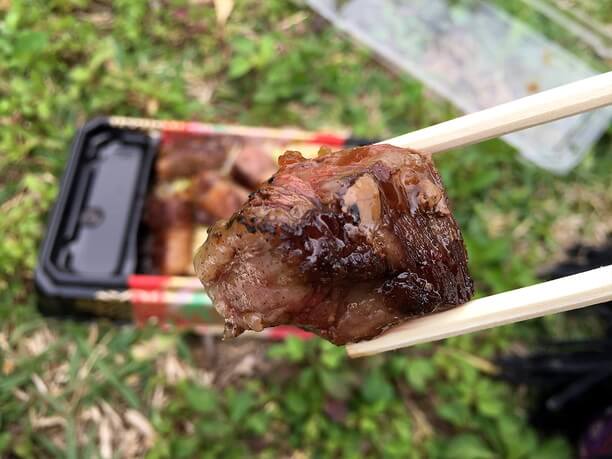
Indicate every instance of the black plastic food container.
{"type": "Point", "coordinates": [91, 240]}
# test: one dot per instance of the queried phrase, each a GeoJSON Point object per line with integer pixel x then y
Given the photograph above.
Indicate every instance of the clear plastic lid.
{"type": "Point", "coordinates": [476, 56]}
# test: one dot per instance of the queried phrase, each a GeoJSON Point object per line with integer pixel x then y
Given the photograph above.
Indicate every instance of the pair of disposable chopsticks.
{"type": "Point", "coordinates": [571, 292]}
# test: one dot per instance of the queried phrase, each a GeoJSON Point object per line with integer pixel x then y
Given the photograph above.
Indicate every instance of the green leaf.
{"type": "Point", "coordinates": [257, 423]}
{"type": "Point", "coordinates": [214, 428]}
{"type": "Point", "coordinates": [419, 372]}
{"type": "Point", "coordinates": [510, 428]}
{"type": "Point", "coordinates": [490, 399]}
{"type": "Point", "coordinates": [376, 388]}
{"type": "Point", "coordinates": [296, 403]}
{"type": "Point", "coordinates": [402, 429]}
{"type": "Point", "coordinates": [201, 399]}
{"type": "Point", "coordinates": [337, 385]}
{"type": "Point", "coordinates": [293, 349]}
{"type": "Point", "coordinates": [24, 447]}
{"type": "Point", "coordinates": [398, 364]}
{"type": "Point", "coordinates": [296, 349]}
{"type": "Point", "coordinates": [240, 405]}
{"type": "Point", "coordinates": [555, 448]}
{"type": "Point", "coordinates": [467, 446]}
{"type": "Point", "coordinates": [277, 352]}
{"type": "Point", "coordinates": [239, 66]}
{"type": "Point", "coordinates": [243, 46]}
{"type": "Point", "coordinates": [29, 43]}
{"type": "Point", "coordinates": [185, 447]}
{"type": "Point", "coordinates": [491, 407]}
{"type": "Point", "coordinates": [5, 441]}
{"type": "Point", "coordinates": [332, 356]}
{"type": "Point", "coordinates": [454, 412]}
{"type": "Point", "coordinates": [267, 50]}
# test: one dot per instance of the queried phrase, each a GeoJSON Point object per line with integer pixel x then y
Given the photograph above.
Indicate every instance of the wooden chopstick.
{"type": "Point", "coordinates": [553, 104]}
{"type": "Point", "coordinates": [559, 295]}
{"type": "Point", "coordinates": [564, 294]}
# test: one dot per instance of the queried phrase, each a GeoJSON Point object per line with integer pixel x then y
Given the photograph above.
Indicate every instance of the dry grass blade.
{"type": "Point", "coordinates": [142, 425]}
{"type": "Point", "coordinates": [39, 384]}
{"type": "Point", "coordinates": [223, 9]}
{"type": "Point", "coordinates": [105, 435]}
{"type": "Point", "coordinates": [39, 342]}
{"type": "Point", "coordinates": [112, 415]}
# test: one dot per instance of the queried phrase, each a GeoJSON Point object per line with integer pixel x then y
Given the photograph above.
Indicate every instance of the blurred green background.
{"type": "Point", "coordinates": [97, 390]}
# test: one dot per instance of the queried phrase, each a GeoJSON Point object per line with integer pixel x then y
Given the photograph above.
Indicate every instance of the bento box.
{"type": "Point", "coordinates": [135, 201]}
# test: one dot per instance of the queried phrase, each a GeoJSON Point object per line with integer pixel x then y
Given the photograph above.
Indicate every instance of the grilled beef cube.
{"type": "Point", "coordinates": [216, 197]}
{"type": "Point", "coordinates": [171, 225]}
{"type": "Point", "coordinates": [345, 245]}
{"type": "Point", "coordinates": [186, 156]}
{"type": "Point", "coordinates": [252, 167]}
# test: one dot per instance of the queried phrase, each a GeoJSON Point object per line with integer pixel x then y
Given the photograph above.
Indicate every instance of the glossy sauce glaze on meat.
{"type": "Point", "coordinates": [345, 245]}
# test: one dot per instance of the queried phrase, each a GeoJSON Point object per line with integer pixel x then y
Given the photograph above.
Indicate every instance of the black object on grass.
{"type": "Point", "coordinates": [571, 381]}
{"type": "Point", "coordinates": [92, 235]}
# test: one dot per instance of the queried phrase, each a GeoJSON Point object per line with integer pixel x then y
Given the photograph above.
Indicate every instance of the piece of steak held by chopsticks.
{"type": "Point", "coordinates": [344, 245]}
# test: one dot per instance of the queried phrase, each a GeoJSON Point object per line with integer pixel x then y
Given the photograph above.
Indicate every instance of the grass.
{"type": "Point", "coordinates": [97, 390]}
